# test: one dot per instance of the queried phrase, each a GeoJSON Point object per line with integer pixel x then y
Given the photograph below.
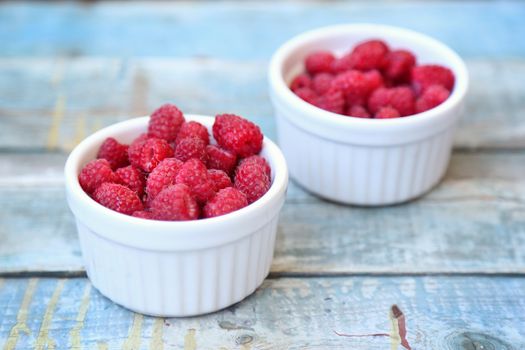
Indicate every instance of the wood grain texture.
{"type": "Point", "coordinates": [247, 30]}
{"type": "Point", "coordinates": [453, 313]}
{"type": "Point", "coordinates": [53, 104]}
{"type": "Point", "coordinates": [444, 232]}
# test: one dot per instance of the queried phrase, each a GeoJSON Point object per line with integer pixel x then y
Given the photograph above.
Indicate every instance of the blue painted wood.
{"type": "Point", "coordinates": [474, 222]}
{"type": "Point", "coordinates": [450, 313]}
{"type": "Point", "coordinates": [97, 92]}
{"type": "Point", "coordinates": [244, 30]}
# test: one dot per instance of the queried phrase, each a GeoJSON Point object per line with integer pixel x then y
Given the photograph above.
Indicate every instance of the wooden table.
{"type": "Point", "coordinates": [453, 261]}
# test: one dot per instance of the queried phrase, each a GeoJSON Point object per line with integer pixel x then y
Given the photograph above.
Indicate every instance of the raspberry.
{"type": "Point", "coordinates": [354, 85]}
{"type": "Point", "coordinates": [260, 161]}
{"type": "Point", "coordinates": [319, 62]}
{"type": "Point", "coordinates": [118, 198]}
{"type": "Point", "coordinates": [432, 74]}
{"type": "Point", "coordinates": [358, 112]}
{"type": "Point", "coordinates": [165, 122]}
{"type": "Point", "coordinates": [220, 159]}
{"type": "Point", "coordinates": [193, 129]}
{"type": "Point", "coordinates": [306, 94]}
{"type": "Point", "coordinates": [333, 101]}
{"type": "Point", "coordinates": [237, 135]}
{"type": "Point", "coordinates": [115, 153]}
{"type": "Point", "coordinates": [143, 214]}
{"type": "Point", "coordinates": [399, 65]}
{"type": "Point", "coordinates": [400, 98]}
{"type": "Point", "coordinates": [301, 81]}
{"type": "Point", "coordinates": [133, 179]}
{"type": "Point", "coordinates": [220, 179]}
{"type": "Point", "coordinates": [433, 96]}
{"type": "Point", "coordinates": [95, 173]}
{"type": "Point", "coordinates": [251, 179]}
{"type": "Point", "coordinates": [194, 174]}
{"type": "Point", "coordinates": [175, 203]}
{"type": "Point", "coordinates": [153, 151]}
{"type": "Point", "coordinates": [342, 64]}
{"type": "Point", "coordinates": [374, 80]}
{"type": "Point", "coordinates": [162, 176]}
{"type": "Point", "coordinates": [135, 149]}
{"type": "Point", "coordinates": [368, 55]}
{"type": "Point", "coordinates": [321, 83]}
{"type": "Point", "coordinates": [191, 147]}
{"type": "Point", "coordinates": [387, 113]}
{"type": "Point", "coordinates": [225, 201]}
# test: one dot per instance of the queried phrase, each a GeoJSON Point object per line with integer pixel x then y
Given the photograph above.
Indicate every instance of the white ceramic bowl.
{"type": "Point", "coordinates": [364, 161]}
{"type": "Point", "coordinates": [174, 268]}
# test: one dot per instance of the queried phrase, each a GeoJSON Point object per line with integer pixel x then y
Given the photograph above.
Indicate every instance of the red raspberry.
{"type": "Point", "coordinates": [115, 153]}
{"type": "Point", "coordinates": [162, 176]}
{"type": "Point", "coordinates": [251, 179]}
{"type": "Point", "coordinates": [342, 64]}
{"type": "Point", "coordinates": [237, 135]}
{"type": "Point", "coordinates": [319, 62]}
{"type": "Point", "coordinates": [431, 74]}
{"type": "Point", "coordinates": [194, 174]}
{"type": "Point", "coordinates": [221, 159]}
{"type": "Point", "coordinates": [301, 81]}
{"type": "Point", "coordinates": [358, 112]}
{"type": "Point", "coordinates": [368, 55]}
{"type": "Point", "coordinates": [387, 113]}
{"type": "Point", "coordinates": [132, 178]}
{"type": "Point", "coordinates": [220, 179]}
{"type": "Point", "coordinates": [260, 161]}
{"type": "Point", "coordinates": [433, 96]}
{"type": "Point", "coordinates": [165, 122]}
{"type": "Point", "coordinates": [333, 101]}
{"type": "Point", "coordinates": [191, 147]}
{"type": "Point", "coordinates": [143, 214]}
{"type": "Point", "coordinates": [306, 94]}
{"type": "Point", "coordinates": [374, 80]}
{"type": "Point", "coordinates": [135, 149]}
{"type": "Point", "coordinates": [400, 98]}
{"type": "Point", "coordinates": [153, 152]}
{"type": "Point", "coordinates": [225, 201]}
{"type": "Point", "coordinates": [118, 198]}
{"type": "Point", "coordinates": [354, 86]}
{"type": "Point", "coordinates": [175, 203]}
{"type": "Point", "coordinates": [321, 83]}
{"type": "Point", "coordinates": [399, 65]}
{"type": "Point", "coordinates": [95, 173]}
{"type": "Point", "coordinates": [193, 129]}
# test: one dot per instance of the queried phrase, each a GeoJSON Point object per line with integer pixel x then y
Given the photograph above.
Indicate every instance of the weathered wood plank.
{"type": "Point", "coordinates": [243, 30]}
{"type": "Point", "coordinates": [440, 313]}
{"type": "Point", "coordinates": [473, 222]}
{"type": "Point", "coordinates": [53, 104]}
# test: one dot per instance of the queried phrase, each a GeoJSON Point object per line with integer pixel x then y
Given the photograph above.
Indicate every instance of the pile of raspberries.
{"type": "Point", "coordinates": [372, 81]}
{"type": "Point", "coordinates": [173, 172]}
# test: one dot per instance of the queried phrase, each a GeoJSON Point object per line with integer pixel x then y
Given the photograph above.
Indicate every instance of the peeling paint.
{"type": "Point", "coordinates": [134, 338]}
{"type": "Point", "coordinates": [21, 317]}
{"type": "Point", "coordinates": [190, 343]}
{"type": "Point", "coordinates": [43, 341]}
{"type": "Point", "coordinates": [74, 335]}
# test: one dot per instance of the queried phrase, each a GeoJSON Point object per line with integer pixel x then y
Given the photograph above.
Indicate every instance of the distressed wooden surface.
{"type": "Point", "coordinates": [68, 69]}
{"type": "Point", "coordinates": [244, 30]}
{"type": "Point", "coordinates": [59, 102]}
{"type": "Point", "coordinates": [446, 313]}
{"type": "Point", "coordinates": [441, 233]}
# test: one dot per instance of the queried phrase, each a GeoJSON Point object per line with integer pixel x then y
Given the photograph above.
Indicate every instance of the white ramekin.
{"type": "Point", "coordinates": [174, 268]}
{"type": "Point", "coordinates": [364, 161]}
